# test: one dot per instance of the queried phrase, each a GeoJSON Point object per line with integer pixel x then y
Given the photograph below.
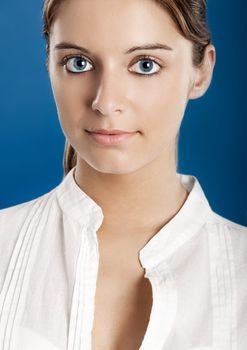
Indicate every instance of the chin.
{"type": "Point", "coordinates": [115, 169]}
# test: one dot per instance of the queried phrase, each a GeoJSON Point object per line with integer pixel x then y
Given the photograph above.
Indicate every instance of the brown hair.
{"type": "Point", "coordinates": [191, 21]}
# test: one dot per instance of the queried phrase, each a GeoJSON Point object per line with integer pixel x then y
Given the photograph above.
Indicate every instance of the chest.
{"type": "Point", "coordinates": [122, 311]}
{"type": "Point", "coordinates": [123, 302]}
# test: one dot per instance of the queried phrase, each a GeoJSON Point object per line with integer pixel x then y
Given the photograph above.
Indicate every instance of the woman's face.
{"type": "Point", "coordinates": [111, 89]}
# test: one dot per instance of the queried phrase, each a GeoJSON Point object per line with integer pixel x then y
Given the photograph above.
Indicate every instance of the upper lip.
{"type": "Point", "coordinates": [109, 131]}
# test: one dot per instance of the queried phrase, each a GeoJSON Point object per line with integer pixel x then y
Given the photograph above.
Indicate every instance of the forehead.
{"type": "Point", "coordinates": [114, 24]}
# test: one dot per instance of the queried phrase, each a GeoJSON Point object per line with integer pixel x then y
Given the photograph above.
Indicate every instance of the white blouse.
{"type": "Point", "coordinates": [49, 258]}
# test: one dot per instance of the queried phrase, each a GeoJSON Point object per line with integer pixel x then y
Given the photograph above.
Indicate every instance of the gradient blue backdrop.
{"type": "Point", "coordinates": [213, 134]}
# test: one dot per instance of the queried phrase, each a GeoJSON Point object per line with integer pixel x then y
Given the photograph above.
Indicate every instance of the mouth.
{"type": "Point", "coordinates": [109, 131]}
{"type": "Point", "coordinates": [108, 138]}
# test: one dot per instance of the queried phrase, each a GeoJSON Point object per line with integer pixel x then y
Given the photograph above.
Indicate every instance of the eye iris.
{"type": "Point", "coordinates": [81, 63]}
{"type": "Point", "coordinates": [147, 65]}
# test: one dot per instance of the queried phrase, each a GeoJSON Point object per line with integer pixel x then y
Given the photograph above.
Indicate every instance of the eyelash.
{"type": "Point", "coordinates": [65, 59]}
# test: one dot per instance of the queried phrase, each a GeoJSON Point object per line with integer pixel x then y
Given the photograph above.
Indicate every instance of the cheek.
{"type": "Point", "coordinates": [161, 105]}
{"type": "Point", "coordinates": [67, 92]}
{"type": "Point", "coordinates": [70, 100]}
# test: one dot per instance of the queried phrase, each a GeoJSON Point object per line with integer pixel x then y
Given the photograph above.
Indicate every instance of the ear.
{"type": "Point", "coordinates": [203, 73]}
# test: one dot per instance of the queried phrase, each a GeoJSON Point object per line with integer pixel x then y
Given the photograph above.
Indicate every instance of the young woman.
{"type": "Point", "coordinates": [125, 253]}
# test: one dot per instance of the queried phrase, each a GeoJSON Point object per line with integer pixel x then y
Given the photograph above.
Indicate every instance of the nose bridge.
{"type": "Point", "coordinates": [109, 90]}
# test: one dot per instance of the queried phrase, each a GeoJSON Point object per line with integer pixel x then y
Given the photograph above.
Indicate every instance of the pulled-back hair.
{"type": "Point", "coordinates": [190, 18]}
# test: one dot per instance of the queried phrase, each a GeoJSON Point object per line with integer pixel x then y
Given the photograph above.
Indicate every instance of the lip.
{"type": "Point", "coordinates": [110, 139]}
{"type": "Point", "coordinates": [109, 131]}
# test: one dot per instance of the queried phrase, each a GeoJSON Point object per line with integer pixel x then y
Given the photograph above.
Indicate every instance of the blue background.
{"type": "Point", "coordinates": [212, 145]}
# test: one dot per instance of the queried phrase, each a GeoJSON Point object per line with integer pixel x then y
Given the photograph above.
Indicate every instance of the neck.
{"type": "Point", "coordinates": [141, 200]}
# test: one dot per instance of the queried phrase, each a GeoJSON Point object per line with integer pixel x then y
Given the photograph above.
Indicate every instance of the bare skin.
{"type": "Point", "coordinates": [123, 300]}
{"type": "Point", "coordinates": [134, 182]}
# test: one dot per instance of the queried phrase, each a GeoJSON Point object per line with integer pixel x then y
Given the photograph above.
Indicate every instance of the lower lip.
{"type": "Point", "coordinates": [110, 139]}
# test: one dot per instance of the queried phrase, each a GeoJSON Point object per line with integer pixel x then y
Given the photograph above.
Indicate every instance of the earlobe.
{"type": "Point", "coordinates": [203, 74]}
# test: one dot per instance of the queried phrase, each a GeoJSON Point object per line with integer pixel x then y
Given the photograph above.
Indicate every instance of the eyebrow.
{"type": "Point", "coordinates": [155, 46]}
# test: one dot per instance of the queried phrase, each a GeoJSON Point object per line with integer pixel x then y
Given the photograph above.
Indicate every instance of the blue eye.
{"type": "Point", "coordinates": [76, 64]}
{"type": "Point", "coordinates": [147, 65]}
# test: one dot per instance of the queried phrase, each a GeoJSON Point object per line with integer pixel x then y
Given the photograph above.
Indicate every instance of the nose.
{"type": "Point", "coordinates": [109, 96]}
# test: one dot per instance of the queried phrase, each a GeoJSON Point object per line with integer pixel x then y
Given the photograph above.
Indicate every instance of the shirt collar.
{"type": "Point", "coordinates": [183, 226]}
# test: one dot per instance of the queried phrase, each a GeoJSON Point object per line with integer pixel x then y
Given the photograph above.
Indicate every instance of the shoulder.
{"type": "Point", "coordinates": [13, 218]}
{"type": "Point", "coordinates": [222, 224]}
{"type": "Point", "coordinates": [17, 214]}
